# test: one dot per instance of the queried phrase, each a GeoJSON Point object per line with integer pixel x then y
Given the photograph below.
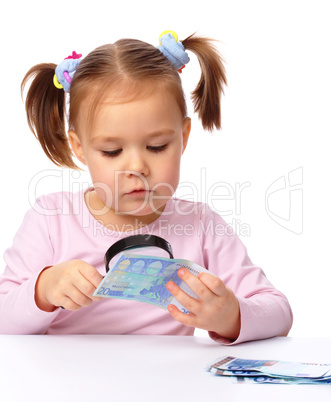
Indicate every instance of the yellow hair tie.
{"type": "Point", "coordinates": [56, 82]}
{"type": "Point", "coordinates": [171, 32]}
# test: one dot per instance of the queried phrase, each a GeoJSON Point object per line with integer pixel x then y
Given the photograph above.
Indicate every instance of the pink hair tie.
{"type": "Point", "coordinates": [65, 71]}
{"type": "Point", "coordinates": [67, 76]}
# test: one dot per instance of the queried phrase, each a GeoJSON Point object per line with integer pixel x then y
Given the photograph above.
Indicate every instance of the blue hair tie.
{"type": "Point", "coordinates": [65, 71]}
{"type": "Point", "coordinates": [173, 50]}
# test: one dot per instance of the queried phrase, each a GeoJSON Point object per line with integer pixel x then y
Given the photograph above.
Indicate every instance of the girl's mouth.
{"type": "Point", "coordinates": [138, 193]}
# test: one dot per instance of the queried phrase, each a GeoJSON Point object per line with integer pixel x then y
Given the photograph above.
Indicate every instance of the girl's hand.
{"type": "Point", "coordinates": [70, 284]}
{"type": "Point", "coordinates": [216, 309]}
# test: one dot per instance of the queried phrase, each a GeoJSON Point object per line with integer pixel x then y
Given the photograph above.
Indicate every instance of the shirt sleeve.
{"type": "Point", "coordinates": [30, 253]}
{"type": "Point", "coordinates": [265, 312]}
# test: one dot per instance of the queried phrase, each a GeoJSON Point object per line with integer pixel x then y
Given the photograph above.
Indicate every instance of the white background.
{"type": "Point", "coordinates": [276, 120]}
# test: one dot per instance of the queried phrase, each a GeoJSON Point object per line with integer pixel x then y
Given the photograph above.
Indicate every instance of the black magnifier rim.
{"type": "Point", "coordinates": [134, 242]}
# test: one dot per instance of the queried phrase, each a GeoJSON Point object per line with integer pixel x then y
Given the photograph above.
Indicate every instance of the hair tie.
{"type": "Point", "coordinates": [65, 71]}
{"type": "Point", "coordinates": [173, 49]}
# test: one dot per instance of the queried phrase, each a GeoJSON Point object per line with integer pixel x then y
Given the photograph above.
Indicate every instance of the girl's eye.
{"type": "Point", "coordinates": [158, 149]}
{"type": "Point", "coordinates": [116, 152]}
{"type": "Point", "coordinates": [111, 153]}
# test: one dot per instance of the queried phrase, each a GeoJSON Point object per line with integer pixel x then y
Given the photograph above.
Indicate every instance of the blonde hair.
{"type": "Point", "coordinates": [126, 67]}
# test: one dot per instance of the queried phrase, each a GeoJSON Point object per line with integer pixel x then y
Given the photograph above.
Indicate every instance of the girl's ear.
{"type": "Point", "coordinates": [76, 146]}
{"type": "Point", "coordinates": [186, 132]}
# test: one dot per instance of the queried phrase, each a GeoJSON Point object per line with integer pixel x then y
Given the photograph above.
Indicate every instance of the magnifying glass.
{"type": "Point", "coordinates": [136, 241]}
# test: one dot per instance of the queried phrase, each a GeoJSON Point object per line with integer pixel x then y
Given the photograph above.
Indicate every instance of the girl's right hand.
{"type": "Point", "coordinates": [70, 284]}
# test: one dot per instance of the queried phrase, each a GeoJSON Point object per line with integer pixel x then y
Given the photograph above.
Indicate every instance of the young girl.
{"type": "Point", "coordinates": [128, 124]}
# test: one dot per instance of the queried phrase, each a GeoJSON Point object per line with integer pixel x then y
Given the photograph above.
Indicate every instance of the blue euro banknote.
{"type": "Point", "coordinates": [278, 380]}
{"type": "Point", "coordinates": [143, 278]}
{"type": "Point", "coordinates": [271, 371]}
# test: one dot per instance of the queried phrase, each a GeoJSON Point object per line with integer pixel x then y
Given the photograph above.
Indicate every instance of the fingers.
{"type": "Point", "coordinates": [91, 274]}
{"type": "Point", "coordinates": [88, 281]}
{"type": "Point", "coordinates": [190, 303]}
{"type": "Point", "coordinates": [216, 309]}
{"type": "Point", "coordinates": [213, 283]}
{"type": "Point", "coordinates": [75, 295]}
{"type": "Point", "coordinates": [208, 289]}
{"type": "Point", "coordinates": [75, 299]}
{"type": "Point", "coordinates": [205, 286]}
{"type": "Point", "coordinates": [72, 285]}
{"type": "Point", "coordinates": [186, 319]}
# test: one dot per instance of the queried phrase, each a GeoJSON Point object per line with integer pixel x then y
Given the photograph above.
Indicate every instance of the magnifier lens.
{"type": "Point", "coordinates": [139, 244]}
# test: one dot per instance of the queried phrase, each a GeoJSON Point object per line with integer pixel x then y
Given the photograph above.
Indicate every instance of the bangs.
{"type": "Point", "coordinates": [114, 92]}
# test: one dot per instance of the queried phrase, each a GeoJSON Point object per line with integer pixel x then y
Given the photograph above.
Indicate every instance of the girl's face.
{"type": "Point", "coordinates": [133, 154]}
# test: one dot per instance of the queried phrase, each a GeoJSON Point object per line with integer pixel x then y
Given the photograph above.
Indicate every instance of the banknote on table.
{"type": "Point", "coordinates": [143, 278]}
{"type": "Point", "coordinates": [271, 371]}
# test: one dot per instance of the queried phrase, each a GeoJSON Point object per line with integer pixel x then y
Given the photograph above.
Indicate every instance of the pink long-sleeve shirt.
{"type": "Point", "coordinates": [60, 228]}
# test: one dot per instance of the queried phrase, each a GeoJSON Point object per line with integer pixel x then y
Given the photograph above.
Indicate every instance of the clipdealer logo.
{"type": "Point", "coordinates": [284, 201]}
{"type": "Point", "coordinates": [283, 197]}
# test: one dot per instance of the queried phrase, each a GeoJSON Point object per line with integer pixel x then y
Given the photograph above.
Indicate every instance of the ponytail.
{"type": "Point", "coordinates": [45, 109]}
{"type": "Point", "coordinates": [207, 95]}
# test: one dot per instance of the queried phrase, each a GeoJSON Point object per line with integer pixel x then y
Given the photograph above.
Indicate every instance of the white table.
{"type": "Point", "coordinates": [79, 368]}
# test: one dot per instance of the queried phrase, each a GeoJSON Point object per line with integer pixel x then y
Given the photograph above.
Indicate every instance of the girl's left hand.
{"type": "Point", "coordinates": [216, 309]}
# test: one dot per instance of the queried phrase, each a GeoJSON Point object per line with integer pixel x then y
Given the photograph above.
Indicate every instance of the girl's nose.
{"type": "Point", "coordinates": [137, 163]}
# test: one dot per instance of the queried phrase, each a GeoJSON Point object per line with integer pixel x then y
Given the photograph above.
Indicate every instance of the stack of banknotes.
{"type": "Point", "coordinates": [271, 371]}
{"type": "Point", "coordinates": [143, 278]}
